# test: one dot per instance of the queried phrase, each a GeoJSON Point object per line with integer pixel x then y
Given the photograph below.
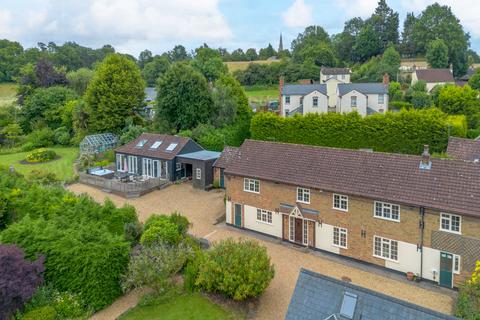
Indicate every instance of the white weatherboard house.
{"type": "Point", "coordinates": [340, 74]}
{"type": "Point", "coordinates": [334, 96]}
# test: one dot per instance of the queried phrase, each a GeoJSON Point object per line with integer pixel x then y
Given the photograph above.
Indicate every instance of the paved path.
{"type": "Point", "coordinates": [202, 208]}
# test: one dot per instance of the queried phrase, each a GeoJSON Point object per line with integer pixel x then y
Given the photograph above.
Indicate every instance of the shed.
{"type": "Point", "coordinates": [98, 143]}
{"type": "Point", "coordinates": [202, 166]}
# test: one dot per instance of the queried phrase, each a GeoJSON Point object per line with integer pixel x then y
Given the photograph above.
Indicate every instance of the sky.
{"type": "Point", "coordinates": [134, 25]}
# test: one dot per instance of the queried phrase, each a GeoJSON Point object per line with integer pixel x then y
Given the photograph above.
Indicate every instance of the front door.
{"type": "Point", "coordinates": [222, 178]}
{"type": "Point", "coordinates": [238, 215]}
{"type": "Point", "coordinates": [446, 266]}
{"type": "Point", "coordinates": [298, 230]}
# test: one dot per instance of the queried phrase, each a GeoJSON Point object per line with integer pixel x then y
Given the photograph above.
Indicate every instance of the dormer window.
{"type": "Point", "coordinates": [141, 143]}
{"type": "Point", "coordinates": [156, 145]}
{"type": "Point", "coordinates": [172, 146]}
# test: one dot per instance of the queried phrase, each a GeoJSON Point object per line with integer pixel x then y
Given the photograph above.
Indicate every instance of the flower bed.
{"type": "Point", "coordinates": [40, 155]}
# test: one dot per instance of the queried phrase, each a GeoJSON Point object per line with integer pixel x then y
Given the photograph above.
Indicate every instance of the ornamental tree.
{"type": "Point", "coordinates": [437, 54]}
{"type": "Point", "coordinates": [19, 279]}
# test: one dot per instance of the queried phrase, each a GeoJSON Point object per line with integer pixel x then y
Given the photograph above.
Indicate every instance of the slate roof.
{"type": "Point", "coordinates": [160, 152]}
{"type": "Point", "coordinates": [365, 88]}
{"type": "Point", "coordinates": [226, 156]}
{"type": "Point", "coordinates": [469, 74]}
{"type": "Point", "coordinates": [334, 71]}
{"type": "Point", "coordinates": [150, 94]}
{"type": "Point", "coordinates": [318, 297]}
{"type": "Point", "coordinates": [303, 89]}
{"type": "Point", "coordinates": [463, 149]}
{"type": "Point", "coordinates": [450, 185]}
{"type": "Point", "coordinates": [435, 75]}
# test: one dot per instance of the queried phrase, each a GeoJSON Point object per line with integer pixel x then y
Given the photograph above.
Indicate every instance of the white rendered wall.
{"type": "Point", "coordinates": [274, 229]}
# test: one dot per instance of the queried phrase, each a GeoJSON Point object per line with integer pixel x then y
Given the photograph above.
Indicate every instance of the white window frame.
{"type": "Point", "coordinates": [305, 232]}
{"type": "Point", "coordinates": [315, 102]}
{"type": "Point", "coordinates": [352, 99]}
{"type": "Point", "coordinates": [291, 229]}
{"type": "Point", "coordinates": [341, 198]}
{"type": "Point", "coordinates": [305, 193]}
{"type": "Point", "coordinates": [264, 216]}
{"type": "Point", "coordinates": [287, 99]}
{"type": "Point", "coordinates": [448, 217]}
{"type": "Point", "coordinates": [178, 166]}
{"type": "Point", "coordinates": [381, 99]}
{"type": "Point", "coordinates": [337, 241]}
{"type": "Point", "coordinates": [249, 185]}
{"type": "Point", "coordinates": [385, 241]}
{"type": "Point", "coordinates": [198, 174]}
{"type": "Point", "coordinates": [132, 164]}
{"type": "Point", "coordinates": [120, 159]}
{"type": "Point", "coordinates": [343, 76]}
{"type": "Point", "coordinates": [456, 258]}
{"type": "Point", "coordinates": [385, 207]}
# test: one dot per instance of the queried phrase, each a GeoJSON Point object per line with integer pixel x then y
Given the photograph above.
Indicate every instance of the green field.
{"type": "Point", "coordinates": [63, 167]}
{"type": "Point", "coordinates": [8, 92]}
{"type": "Point", "coordinates": [185, 307]}
{"type": "Point", "coordinates": [261, 95]}
{"type": "Point", "coordinates": [242, 65]}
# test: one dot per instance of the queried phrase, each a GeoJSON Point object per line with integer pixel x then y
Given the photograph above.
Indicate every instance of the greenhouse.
{"type": "Point", "coordinates": [97, 143]}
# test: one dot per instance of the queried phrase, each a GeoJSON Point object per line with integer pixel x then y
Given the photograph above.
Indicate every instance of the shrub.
{"type": "Point", "coordinates": [40, 155]}
{"type": "Point", "coordinates": [239, 270]}
{"type": "Point", "coordinates": [473, 133]}
{"type": "Point", "coordinates": [154, 267]}
{"type": "Point", "coordinates": [42, 177]}
{"type": "Point", "coordinates": [19, 279]}
{"type": "Point", "coordinates": [176, 218]}
{"type": "Point", "coordinates": [161, 231]}
{"type": "Point", "coordinates": [62, 136]}
{"type": "Point", "coordinates": [468, 302]}
{"type": "Point", "coordinates": [400, 132]}
{"type": "Point", "coordinates": [42, 313]}
{"type": "Point", "coordinates": [399, 105]}
{"type": "Point", "coordinates": [41, 138]}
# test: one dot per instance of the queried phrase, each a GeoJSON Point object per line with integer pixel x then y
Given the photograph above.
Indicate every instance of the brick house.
{"type": "Point", "coordinates": [464, 149]}
{"type": "Point", "coordinates": [407, 213]}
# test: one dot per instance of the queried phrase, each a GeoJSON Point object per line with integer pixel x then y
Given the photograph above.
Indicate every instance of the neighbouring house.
{"type": "Point", "coordinates": [318, 297]}
{"type": "Point", "coordinates": [228, 154]}
{"type": "Point", "coordinates": [150, 97]}
{"type": "Point", "coordinates": [433, 77]}
{"type": "Point", "coordinates": [406, 213]}
{"type": "Point", "coordinates": [166, 157]}
{"type": "Point", "coordinates": [464, 149]}
{"type": "Point", "coordinates": [463, 80]}
{"type": "Point", "coordinates": [341, 74]}
{"type": "Point", "coordinates": [334, 94]}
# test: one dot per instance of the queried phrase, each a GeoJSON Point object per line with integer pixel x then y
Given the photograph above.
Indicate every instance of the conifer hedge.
{"type": "Point", "coordinates": [400, 132]}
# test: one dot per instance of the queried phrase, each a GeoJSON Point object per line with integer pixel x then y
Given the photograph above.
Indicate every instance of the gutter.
{"type": "Point", "coordinates": [422, 233]}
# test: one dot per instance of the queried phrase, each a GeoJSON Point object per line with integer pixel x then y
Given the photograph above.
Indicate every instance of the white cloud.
{"type": "Point", "coordinates": [357, 8]}
{"type": "Point", "coordinates": [298, 15]}
{"type": "Point", "coordinates": [5, 24]}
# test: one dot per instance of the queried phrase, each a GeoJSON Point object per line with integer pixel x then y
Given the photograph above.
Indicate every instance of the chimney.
{"type": "Point", "coordinates": [425, 163]}
{"type": "Point", "coordinates": [451, 68]}
{"type": "Point", "coordinates": [386, 79]}
{"type": "Point", "coordinates": [281, 83]}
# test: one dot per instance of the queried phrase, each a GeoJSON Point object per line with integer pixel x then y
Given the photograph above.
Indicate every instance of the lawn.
{"type": "Point", "coordinates": [242, 65]}
{"type": "Point", "coordinates": [8, 92]}
{"type": "Point", "coordinates": [262, 94]}
{"type": "Point", "coordinates": [185, 307]}
{"type": "Point", "coordinates": [63, 167]}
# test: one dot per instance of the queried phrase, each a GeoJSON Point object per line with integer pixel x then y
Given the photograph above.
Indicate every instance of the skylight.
{"type": "Point", "coordinates": [156, 145]}
{"type": "Point", "coordinates": [141, 143]}
{"type": "Point", "coordinates": [172, 146]}
{"type": "Point", "coordinates": [348, 305]}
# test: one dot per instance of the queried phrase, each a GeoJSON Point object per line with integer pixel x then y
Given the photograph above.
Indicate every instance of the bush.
{"type": "Point", "coordinates": [161, 231]}
{"type": "Point", "coordinates": [473, 133]}
{"type": "Point", "coordinates": [239, 270]}
{"type": "Point", "coordinates": [154, 266]}
{"type": "Point", "coordinates": [176, 218]}
{"type": "Point", "coordinates": [62, 136]}
{"type": "Point", "coordinates": [400, 132]}
{"type": "Point", "coordinates": [399, 105]}
{"type": "Point", "coordinates": [40, 155]}
{"type": "Point", "coordinates": [41, 138]}
{"type": "Point", "coordinates": [42, 313]}
{"type": "Point", "coordinates": [42, 177]}
{"type": "Point", "coordinates": [468, 302]}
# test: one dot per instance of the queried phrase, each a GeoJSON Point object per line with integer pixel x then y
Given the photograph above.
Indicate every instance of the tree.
{"type": "Point", "coordinates": [368, 43]}
{"type": "Point", "coordinates": [438, 22]}
{"type": "Point", "coordinates": [209, 62]}
{"type": "Point", "coordinates": [461, 100]}
{"type": "Point", "coordinates": [20, 279]}
{"type": "Point", "coordinates": [395, 91]}
{"type": "Point", "coordinates": [47, 76]}
{"type": "Point", "coordinates": [78, 80]}
{"type": "Point", "coordinates": [178, 53]}
{"type": "Point", "coordinates": [115, 93]}
{"type": "Point", "coordinates": [345, 41]}
{"type": "Point", "coordinates": [320, 55]}
{"type": "Point", "coordinates": [144, 57]}
{"type": "Point", "coordinates": [183, 98]}
{"type": "Point", "coordinates": [45, 105]}
{"type": "Point", "coordinates": [390, 62]}
{"type": "Point", "coordinates": [312, 35]}
{"type": "Point", "coordinates": [9, 60]}
{"type": "Point", "coordinates": [437, 54]}
{"type": "Point", "coordinates": [408, 45]}
{"type": "Point", "coordinates": [155, 69]}
{"type": "Point", "coordinates": [266, 53]}
{"type": "Point", "coordinates": [385, 22]}
{"type": "Point", "coordinates": [474, 81]}
{"type": "Point", "coordinates": [251, 54]}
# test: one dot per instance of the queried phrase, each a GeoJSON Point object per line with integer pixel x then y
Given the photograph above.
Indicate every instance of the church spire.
{"type": "Point", "coordinates": [280, 45]}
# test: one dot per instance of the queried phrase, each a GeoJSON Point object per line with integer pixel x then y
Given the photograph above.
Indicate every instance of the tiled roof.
{"type": "Point", "coordinates": [435, 75]}
{"type": "Point", "coordinates": [450, 185]}
{"type": "Point", "coordinates": [318, 297]}
{"type": "Point", "coordinates": [464, 149]}
{"type": "Point", "coordinates": [226, 156]}
{"type": "Point", "coordinates": [365, 88]}
{"type": "Point", "coordinates": [333, 71]}
{"type": "Point", "coordinates": [150, 93]}
{"type": "Point", "coordinates": [303, 89]}
{"type": "Point", "coordinates": [160, 152]}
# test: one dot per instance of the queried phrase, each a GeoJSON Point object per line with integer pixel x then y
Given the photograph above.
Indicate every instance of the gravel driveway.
{"type": "Point", "coordinates": [202, 208]}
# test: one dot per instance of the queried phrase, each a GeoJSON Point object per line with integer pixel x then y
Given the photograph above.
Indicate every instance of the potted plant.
{"type": "Point", "coordinates": [410, 276]}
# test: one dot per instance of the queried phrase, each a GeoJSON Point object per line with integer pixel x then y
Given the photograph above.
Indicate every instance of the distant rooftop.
{"type": "Point", "coordinates": [335, 71]}
{"type": "Point", "coordinates": [365, 88]}
{"type": "Point", "coordinates": [435, 75]}
{"type": "Point", "coordinates": [303, 89]}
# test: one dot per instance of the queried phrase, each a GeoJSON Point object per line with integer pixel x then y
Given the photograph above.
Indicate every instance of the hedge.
{"type": "Point", "coordinates": [400, 132]}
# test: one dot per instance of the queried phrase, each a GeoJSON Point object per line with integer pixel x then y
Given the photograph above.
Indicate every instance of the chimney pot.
{"type": "Point", "coordinates": [386, 79]}
{"type": "Point", "coordinates": [425, 163]}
